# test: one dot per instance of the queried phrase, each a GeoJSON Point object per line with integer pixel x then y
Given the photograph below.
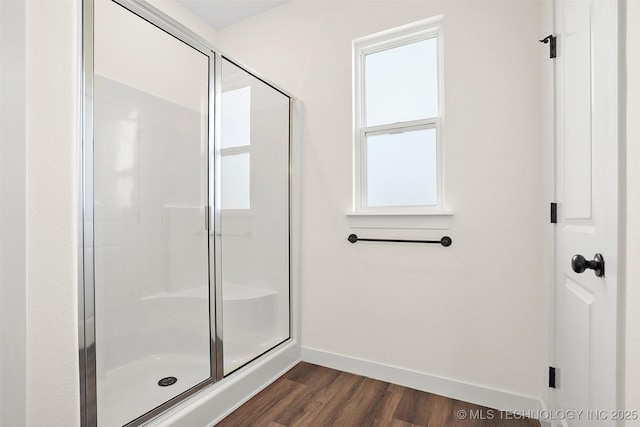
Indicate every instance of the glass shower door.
{"type": "Point", "coordinates": [254, 211]}
{"type": "Point", "coordinates": [151, 241]}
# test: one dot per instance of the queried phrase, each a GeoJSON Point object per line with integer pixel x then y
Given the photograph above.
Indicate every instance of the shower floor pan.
{"type": "Point", "coordinates": [131, 390]}
{"type": "Point", "coordinates": [128, 391]}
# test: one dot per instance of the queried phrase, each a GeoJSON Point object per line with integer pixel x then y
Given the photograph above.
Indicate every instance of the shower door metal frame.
{"type": "Point", "coordinates": [290, 184]}
{"type": "Point", "coordinates": [86, 288]}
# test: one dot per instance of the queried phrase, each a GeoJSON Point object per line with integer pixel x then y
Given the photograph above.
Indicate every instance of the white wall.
{"type": "Point", "coordinates": [52, 220]}
{"type": "Point", "coordinates": [12, 215]}
{"type": "Point", "coordinates": [475, 312]}
{"type": "Point", "coordinates": [632, 349]}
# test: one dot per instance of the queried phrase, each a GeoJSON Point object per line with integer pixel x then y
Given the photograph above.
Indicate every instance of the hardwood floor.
{"type": "Point", "coordinates": [311, 395]}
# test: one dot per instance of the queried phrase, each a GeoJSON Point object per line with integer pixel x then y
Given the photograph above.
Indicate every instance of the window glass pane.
{"type": "Point", "coordinates": [401, 84]}
{"type": "Point", "coordinates": [235, 181]}
{"type": "Point", "coordinates": [236, 118]}
{"type": "Point", "coordinates": [401, 169]}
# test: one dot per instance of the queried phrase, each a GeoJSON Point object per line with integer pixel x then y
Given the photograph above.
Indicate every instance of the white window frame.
{"type": "Point", "coordinates": [397, 37]}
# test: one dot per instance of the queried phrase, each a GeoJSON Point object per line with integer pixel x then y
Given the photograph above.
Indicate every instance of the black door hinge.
{"type": "Point", "coordinates": [551, 39]}
{"type": "Point", "coordinates": [552, 377]}
{"type": "Point", "coordinates": [554, 213]}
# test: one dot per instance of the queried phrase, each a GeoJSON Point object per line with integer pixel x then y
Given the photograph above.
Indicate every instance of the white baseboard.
{"type": "Point", "coordinates": [472, 393]}
{"type": "Point", "coordinates": [213, 404]}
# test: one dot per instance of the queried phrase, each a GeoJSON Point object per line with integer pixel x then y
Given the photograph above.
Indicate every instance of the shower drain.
{"type": "Point", "coordinates": [167, 381]}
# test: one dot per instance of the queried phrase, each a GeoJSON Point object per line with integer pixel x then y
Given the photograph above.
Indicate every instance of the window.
{"type": "Point", "coordinates": [235, 149]}
{"type": "Point", "coordinates": [398, 121]}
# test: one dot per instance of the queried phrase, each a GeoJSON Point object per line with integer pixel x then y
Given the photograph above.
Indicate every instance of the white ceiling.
{"type": "Point", "coordinates": [221, 13]}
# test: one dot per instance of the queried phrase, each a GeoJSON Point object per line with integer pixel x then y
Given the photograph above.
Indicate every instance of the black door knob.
{"type": "Point", "coordinates": [579, 264]}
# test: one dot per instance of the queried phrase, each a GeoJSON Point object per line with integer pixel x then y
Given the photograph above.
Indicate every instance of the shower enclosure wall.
{"type": "Point", "coordinates": [186, 215]}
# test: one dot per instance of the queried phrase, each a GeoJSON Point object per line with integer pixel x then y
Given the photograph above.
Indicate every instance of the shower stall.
{"type": "Point", "coordinates": [186, 216]}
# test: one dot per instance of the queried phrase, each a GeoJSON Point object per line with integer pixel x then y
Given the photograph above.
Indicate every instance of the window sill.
{"type": "Point", "coordinates": [428, 220]}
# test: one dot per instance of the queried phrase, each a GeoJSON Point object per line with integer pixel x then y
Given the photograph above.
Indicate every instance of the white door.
{"type": "Point", "coordinates": [586, 184]}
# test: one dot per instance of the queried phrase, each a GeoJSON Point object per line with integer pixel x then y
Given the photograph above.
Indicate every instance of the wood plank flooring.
{"type": "Point", "coordinates": [315, 396]}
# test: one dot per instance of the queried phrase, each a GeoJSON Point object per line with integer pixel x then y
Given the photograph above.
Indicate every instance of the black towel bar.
{"type": "Point", "coordinates": [445, 241]}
